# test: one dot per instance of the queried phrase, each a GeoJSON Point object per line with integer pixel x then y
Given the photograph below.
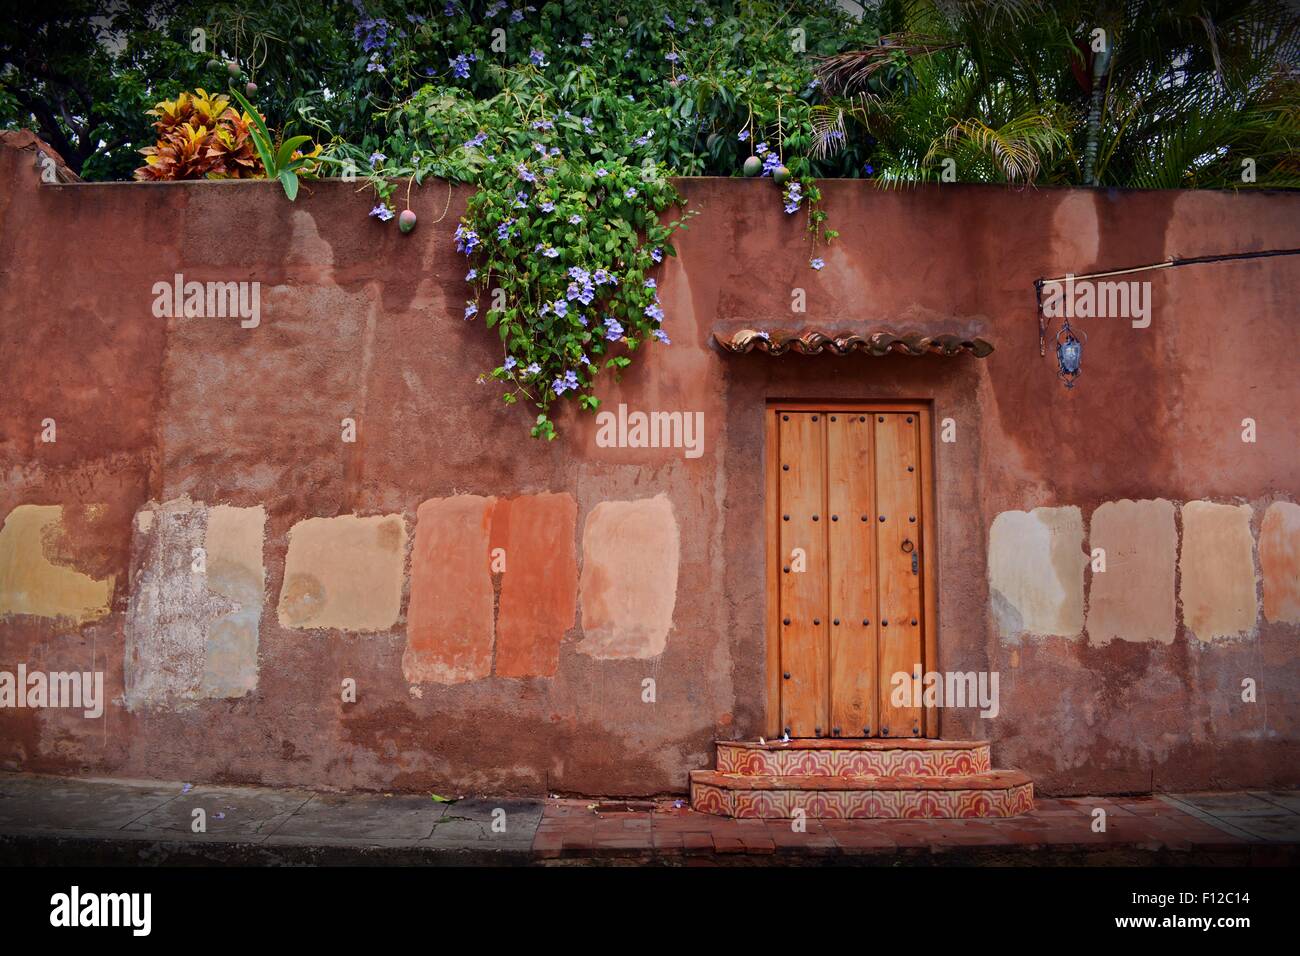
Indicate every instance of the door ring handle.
{"type": "Point", "coordinates": [907, 545]}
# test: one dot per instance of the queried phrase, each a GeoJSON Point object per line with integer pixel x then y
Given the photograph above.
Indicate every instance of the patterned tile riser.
{"type": "Point", "coordinates": [853, 763]}
{"type": "Point", "coordinates": [864, 804]}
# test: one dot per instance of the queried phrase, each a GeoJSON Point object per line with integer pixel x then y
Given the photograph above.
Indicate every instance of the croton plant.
{"type": "Point", "coordinates": [200, 136]}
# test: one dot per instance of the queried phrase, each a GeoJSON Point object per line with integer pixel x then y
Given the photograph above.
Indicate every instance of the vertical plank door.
{"type": "Point", "coordinates": [803, 606]}
{"type": "Point", "coordinates": [850, 502]}
{"type": "Point", "coordinates": [898, 557]}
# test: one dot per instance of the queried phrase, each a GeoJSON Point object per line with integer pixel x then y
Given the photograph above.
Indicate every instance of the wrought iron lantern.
{"type": "Point", "coordinates": [1069, 353]}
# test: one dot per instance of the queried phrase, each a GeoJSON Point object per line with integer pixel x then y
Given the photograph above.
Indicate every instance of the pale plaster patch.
{"type": "Point", "coordinates": [1279, 561]}
{"type": "Point", "coordinates": [1076, 229]}
{"type": "Point", "coordinates": [1133, 598]}
{"type": "Point", "coordinates": [630, 555]}
{"type": "Point", "coordinates": [1036, 564]}
{"type": "Point", "coordinates": [306, 245]}
{"type": "Point", "coordinates": [197, 592]}
{"type": "Point", "coordinates": [233, 543]}
{"type": "Point", "coordinates": [1218, 570]}
{"type": "Point", "coordinates": [344, 573]}
{"type": "Point", "coordinates": [30, 583]}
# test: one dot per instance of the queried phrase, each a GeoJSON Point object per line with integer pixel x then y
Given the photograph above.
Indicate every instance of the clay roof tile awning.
{"type": "Point", "coordinates": [882, 342]}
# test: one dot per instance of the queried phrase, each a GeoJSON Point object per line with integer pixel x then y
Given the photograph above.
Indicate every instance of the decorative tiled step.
{"type": "Point", "coordinates": [995, 793]}
{"type": "Point", "coordinates": [839, 757]}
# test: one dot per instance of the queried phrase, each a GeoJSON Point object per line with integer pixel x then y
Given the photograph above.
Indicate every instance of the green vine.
{"type": "Point", "coordinates": [571, 135]}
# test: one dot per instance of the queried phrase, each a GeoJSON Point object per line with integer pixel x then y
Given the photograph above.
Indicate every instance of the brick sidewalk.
{"type": "Point", "coordinates": [1232, 828]}
{"type": "Point", "coordinates": [51, 820]}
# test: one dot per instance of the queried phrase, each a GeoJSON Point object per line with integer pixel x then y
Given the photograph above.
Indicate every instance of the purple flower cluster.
{"type": "Point", "coordinates": [467, 239]}
{"type": "Point", "coordinates": [371, 31]}
{"type": "Point", "coordinates": [582, 287]}
{"type": "Point", "coordinates": [566, 384]}
{"type": "Point", "coordinates": [382, 212]}
{"type": "Point", "coordinates": [793, 196]}
{"type": "Point", "coordinates": [770, 159]}
{"type": "Point", "coordinates": [460, 65]}
{"type": "Point", "coordinates": [375, 36]}
{"type": "Point", "coordinates": [613, 330]}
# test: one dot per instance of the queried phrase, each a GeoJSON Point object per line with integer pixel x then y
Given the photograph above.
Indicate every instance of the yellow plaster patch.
{"type": "Point", "coordinates": [1218, 570]}
{"type": "Point", "coordinates": [31, 584]}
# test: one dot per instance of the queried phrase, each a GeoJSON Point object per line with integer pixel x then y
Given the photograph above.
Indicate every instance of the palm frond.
{"type": "Point", "coordinates": [845, 74]}
{"type": "Point", "coordinates": [1016, 150]}
{"type": "Point", "coordinates": [829, 135]}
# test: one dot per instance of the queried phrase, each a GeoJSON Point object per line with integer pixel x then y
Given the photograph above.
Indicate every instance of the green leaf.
{"type": "Point", "coordinates": [286, 150]}
{"type": "Point", "coordinates": [289, 180]}
{"type": "Point", "coordinates": [261, 135]}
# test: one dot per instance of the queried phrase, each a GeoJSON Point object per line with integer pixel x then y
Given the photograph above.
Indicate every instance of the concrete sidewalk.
{"type": "Point", "coordinates": [56, 820]}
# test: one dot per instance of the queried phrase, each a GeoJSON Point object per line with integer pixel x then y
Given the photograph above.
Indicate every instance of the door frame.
{"type": "Point", "coordinates": [924, 410]}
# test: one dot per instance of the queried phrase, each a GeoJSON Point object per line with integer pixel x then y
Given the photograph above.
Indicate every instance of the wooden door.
{"type": "Point", "coordinates": [849, 605]}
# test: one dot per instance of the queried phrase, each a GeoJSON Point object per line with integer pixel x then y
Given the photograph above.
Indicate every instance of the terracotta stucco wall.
{"type": "Point", "coordinates": [622, 566]}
